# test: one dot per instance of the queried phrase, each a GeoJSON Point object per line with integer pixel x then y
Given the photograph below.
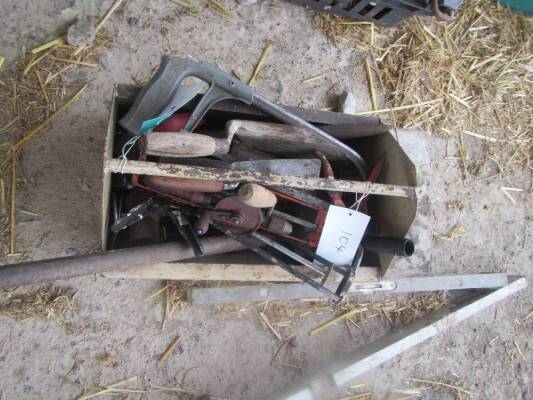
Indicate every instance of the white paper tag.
{"type": "Point", "coordinates": [342, 233]}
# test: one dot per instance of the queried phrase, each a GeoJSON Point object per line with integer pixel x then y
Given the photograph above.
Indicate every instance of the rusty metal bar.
{"type": "Point", "coordinates": [35, 272]}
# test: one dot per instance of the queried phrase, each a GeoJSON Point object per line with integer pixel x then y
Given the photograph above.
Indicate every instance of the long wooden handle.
{"type": "Point", "coordinates": [228, 176]}
{"type": "Point", "coordinates": [184, 144]}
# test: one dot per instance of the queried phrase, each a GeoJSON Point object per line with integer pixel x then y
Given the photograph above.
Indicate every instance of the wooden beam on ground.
{"type": "Point", "coordinates": [228, 176]}
{"type": "Point", "coordinates": [222, 272]}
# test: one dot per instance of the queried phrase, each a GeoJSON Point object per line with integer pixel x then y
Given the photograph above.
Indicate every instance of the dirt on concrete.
{"type": "Point", "coordinates": [114, 333]}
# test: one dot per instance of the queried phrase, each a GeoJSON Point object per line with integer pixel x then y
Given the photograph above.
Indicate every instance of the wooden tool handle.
{"type": "Point", "coordinates": [184, 144]}
{"type": "Point", "coordinates": [176, 186]}
{"type": "Point", "coordinates": [281, 139]}
{"type": "Point", "coordinates": [257, 196]}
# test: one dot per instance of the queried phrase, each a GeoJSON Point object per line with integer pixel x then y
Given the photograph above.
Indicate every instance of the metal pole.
{"type": "Point", "coordinates": [327, 383]}
{"type": "Point", "coordinates": [34, 272]}
{"type": "Point", "coordinates": [299, 291]}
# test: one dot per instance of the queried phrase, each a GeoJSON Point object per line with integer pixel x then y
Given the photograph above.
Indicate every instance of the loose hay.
{"type": "Point", "coordinates": [31, 91]}
{"type": "Point", "coordinates": [119, 390]}
{"type": "Point", "coordinates": [168, 351]}
{"type": "Point", "coordinates": [396, 311]}
{"type": "Point", "coordinates": [43, 303]}
{"type": "Point", "coordinates": [259, 65]}
{"type": "Point", "coordinates": [175, 297]}
{"type": "Point", "coordinates": [458, 390]}
{"type": "Point", "coordinates": [472, 75]}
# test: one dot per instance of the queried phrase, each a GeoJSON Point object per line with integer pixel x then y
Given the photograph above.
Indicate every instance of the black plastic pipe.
{"type": "Point", "coordinates": [387, 245]}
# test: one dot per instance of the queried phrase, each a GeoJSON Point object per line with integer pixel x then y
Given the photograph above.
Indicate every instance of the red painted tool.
{"type": "Point", "coordinates": [175, 123]}
{"type": "Point", "coordinates": [327, 171]}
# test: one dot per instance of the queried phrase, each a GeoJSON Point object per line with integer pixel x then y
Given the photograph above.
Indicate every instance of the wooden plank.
{"type": "Point", "coordinates": [307, 183]}
{"type": "Point", "coordinates": [222, 272]}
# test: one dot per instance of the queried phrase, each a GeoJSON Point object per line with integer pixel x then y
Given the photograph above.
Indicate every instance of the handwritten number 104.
{"type": "Point", "coordinates": [343, 241]}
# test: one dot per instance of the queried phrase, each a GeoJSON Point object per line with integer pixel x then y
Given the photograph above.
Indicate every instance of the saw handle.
{"type": "Point", "coordinates": [162, 87]}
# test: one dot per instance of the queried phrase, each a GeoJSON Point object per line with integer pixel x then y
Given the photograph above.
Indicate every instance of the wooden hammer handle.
{"type": "Point", "coordinates": [184, 144]}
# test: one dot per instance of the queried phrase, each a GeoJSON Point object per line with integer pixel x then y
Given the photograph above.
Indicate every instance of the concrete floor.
{"type": "Point", "coordinates": [116, 334]}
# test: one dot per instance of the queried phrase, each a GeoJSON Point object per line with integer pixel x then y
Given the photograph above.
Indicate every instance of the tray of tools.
{"type": "Point", "coordinates": [315, 194]}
